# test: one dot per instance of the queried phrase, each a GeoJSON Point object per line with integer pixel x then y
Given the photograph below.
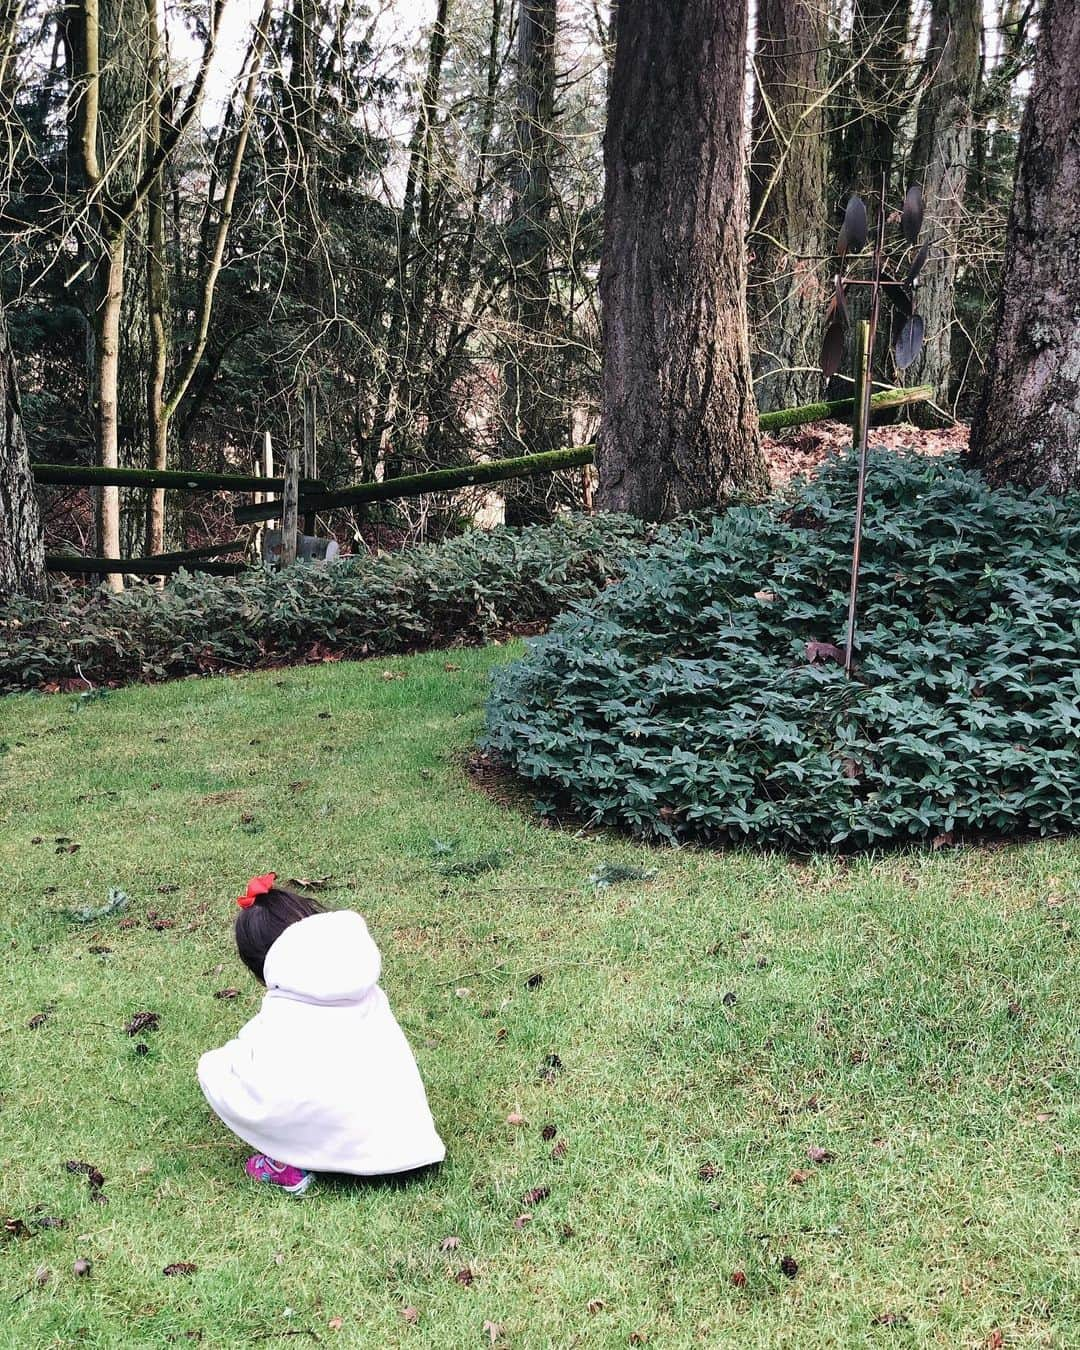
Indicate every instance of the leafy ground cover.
{"type": "Point", "coordinates": [703, 696]}
{"type": "Point", "coordinates": [470, 589]}
{"type": "Point", "coordinates": [743, 1101]}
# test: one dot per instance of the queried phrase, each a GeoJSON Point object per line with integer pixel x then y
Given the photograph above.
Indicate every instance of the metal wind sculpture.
{"type": "Point", "coordinates": [895, 279]}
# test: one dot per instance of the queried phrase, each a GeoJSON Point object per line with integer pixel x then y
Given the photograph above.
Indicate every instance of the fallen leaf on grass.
{"type": "Point", "coordinates": [39, 1019]}
{"type": "Point", "coordinates": [789, 1267]}
{"type": "Point", "coordinates": [81, 1267]}
{"type": "Point", "coordinates": [522, 1221]}
{"type": "Point", "coordinates": [613, 874]}
{"type": "Point", "coordinates": [889, 1319]}
{"type": "Point", "coordinates": [799, 1177]}
{"type": "Point", "coordinates": [143, 1021]}
{"type": "Point", "coordinates": [227, 993]}
{"type": "Point", "coordinates": [995, 1340]}
{"type": "Point", "coordinates": [180, 1268]}
{"type": "Point", "coordinates": [550, 1069]}
{"type": "Point", "coordinates": [515, 1118]}
{"type": "Point", "coordinates": [142, 1048]}
{"type": "Point", "coordinates": [638, 1338]}
{"type": "Point", "coordinates": [536, 1195]}
{"type": "Point", "coordinates": [559, 1151]}
{"type": "Point", "coordinates": [595, 1305]}
{"type": "Point", "coordinates": [411, 1315]}
{"type": "Point", "coordinates": [42, 1276]}
{"type": "Point", "coordinates": [394, 674]}
{"type": "Point", "coordinates": [465, 1276]}
{"type": "Point", "coordinates": [16, 1228]}
{"type": "Point", "coordinates": [495, 1330]}
{"type": "Point", "coordinates": [93, 1176]}
{"type": "Point", "coordinates": [450, 1244]}
{"type": "Point", "coordinates": [68, 848]}
{"type": "Point", "coordinates": [729, 1000]}
{"type": "Point", "coordinates": [534, 981]}
{"type": "Point", "coordinates": [311, 883]}
{"type": "Point", "coordinates": [738, 1278]}
{"type": "Point", "coordinates": [708, 1172]}
{"type": "Point", "coordinates": [115, 901]}
{"type": "Point", "coordinates": [820, 1155]}
{"type": "Point", "coordinates": [548, 1133]}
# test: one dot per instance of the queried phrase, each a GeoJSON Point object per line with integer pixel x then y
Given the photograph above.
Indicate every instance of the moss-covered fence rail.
{"type": "Point", "coordinates": [314, 495]}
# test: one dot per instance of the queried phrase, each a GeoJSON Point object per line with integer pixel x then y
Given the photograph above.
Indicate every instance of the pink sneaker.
{"type": "Point", "coordinates": [291, 1179]}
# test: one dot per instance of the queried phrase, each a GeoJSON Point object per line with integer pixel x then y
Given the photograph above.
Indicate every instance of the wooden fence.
{"type": "Point", "coordinates": [310, 495]}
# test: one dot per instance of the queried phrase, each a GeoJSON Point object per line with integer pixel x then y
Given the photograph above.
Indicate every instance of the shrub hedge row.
{"type": "Point", "coordinates": [465, 590]}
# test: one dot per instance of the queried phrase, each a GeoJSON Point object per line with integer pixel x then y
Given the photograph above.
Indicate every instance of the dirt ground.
{"type": "Point", "coordinates": [802, 449]}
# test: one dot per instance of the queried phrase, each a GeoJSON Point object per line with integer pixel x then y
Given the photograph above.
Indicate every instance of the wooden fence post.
{"type": "Point", "coordinates": [258, 498]}
{"type": "Point", "coordinates": [289, 507]}
{"type": "Point", "coordinates": [309, 447]}
{"type": "Point", "coordinates": [268, 466]}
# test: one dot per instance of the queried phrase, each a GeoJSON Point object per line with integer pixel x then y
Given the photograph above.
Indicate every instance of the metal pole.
{"type": "Point", "coordinates": [862, 426]}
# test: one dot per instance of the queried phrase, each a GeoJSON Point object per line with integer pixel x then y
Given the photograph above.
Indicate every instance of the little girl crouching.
{"type": "Point", "coordinates": [322, 1079]}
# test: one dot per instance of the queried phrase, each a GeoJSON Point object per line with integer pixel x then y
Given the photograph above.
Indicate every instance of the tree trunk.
{"type": "Point", "coordinates": [22, 553]}
{"type": "Point", "coordinates": [124, 125]}
{"type": "Point", "coordinates": [108, 420]}
{"type": "Point", "coordinates": [530, 403]}
{"type": "Point", "coordinates": [157, 301]}
{"type": "Point", "coordinates": [940, 162]}
{"type": "Point", "coordinates": [788, 192]}
{"type": "Point", "coordinates": [396, 397]}
{"type": "Point", "coordinates": [678, 425]}
{"type": "Point", "coordinates": [879, 36]}
{"type": "Point", "coordinates": [1027, 430]}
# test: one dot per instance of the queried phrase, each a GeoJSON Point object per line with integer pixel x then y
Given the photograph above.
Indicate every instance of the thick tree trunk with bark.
{"type": "Point", "coordinates": [530, 403]}
{"type": "Point", "coordinates": [22, 554]}
{"type": "Point", "coordinates": [940, 163]}
{"type": "Point", "coordinates": [678, 419]}
{"type": "Point", "coordinates": [788, 191]}
{"type": "Point", "coordinates": [1027, 430]}
{"type": "Point", "coordinates": [879, 35]}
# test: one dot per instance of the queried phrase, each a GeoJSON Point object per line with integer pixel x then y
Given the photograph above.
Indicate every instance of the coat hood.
{"type": "Point", "coordinates": [326, 958]}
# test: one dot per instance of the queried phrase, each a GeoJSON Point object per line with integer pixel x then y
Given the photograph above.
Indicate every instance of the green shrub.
{"type": "Point", "coordinates": [464, 590]}
{"type": "Point", "coordinates": [683, 702]}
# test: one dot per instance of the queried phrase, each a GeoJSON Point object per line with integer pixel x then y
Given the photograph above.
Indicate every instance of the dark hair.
{"type": "Point", "coordinates": [260, 925]}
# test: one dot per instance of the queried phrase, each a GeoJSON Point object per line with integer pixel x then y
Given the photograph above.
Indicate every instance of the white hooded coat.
{"type": "Point", "coordinates": [323, 1078]}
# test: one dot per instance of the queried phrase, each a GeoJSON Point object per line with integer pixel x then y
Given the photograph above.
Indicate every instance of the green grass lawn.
{"type": "Point", "coordinates": [915, 1016]}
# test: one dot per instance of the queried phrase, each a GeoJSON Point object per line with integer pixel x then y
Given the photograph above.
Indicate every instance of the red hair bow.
{"type": "Point", "coordinates": [256, 886]}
